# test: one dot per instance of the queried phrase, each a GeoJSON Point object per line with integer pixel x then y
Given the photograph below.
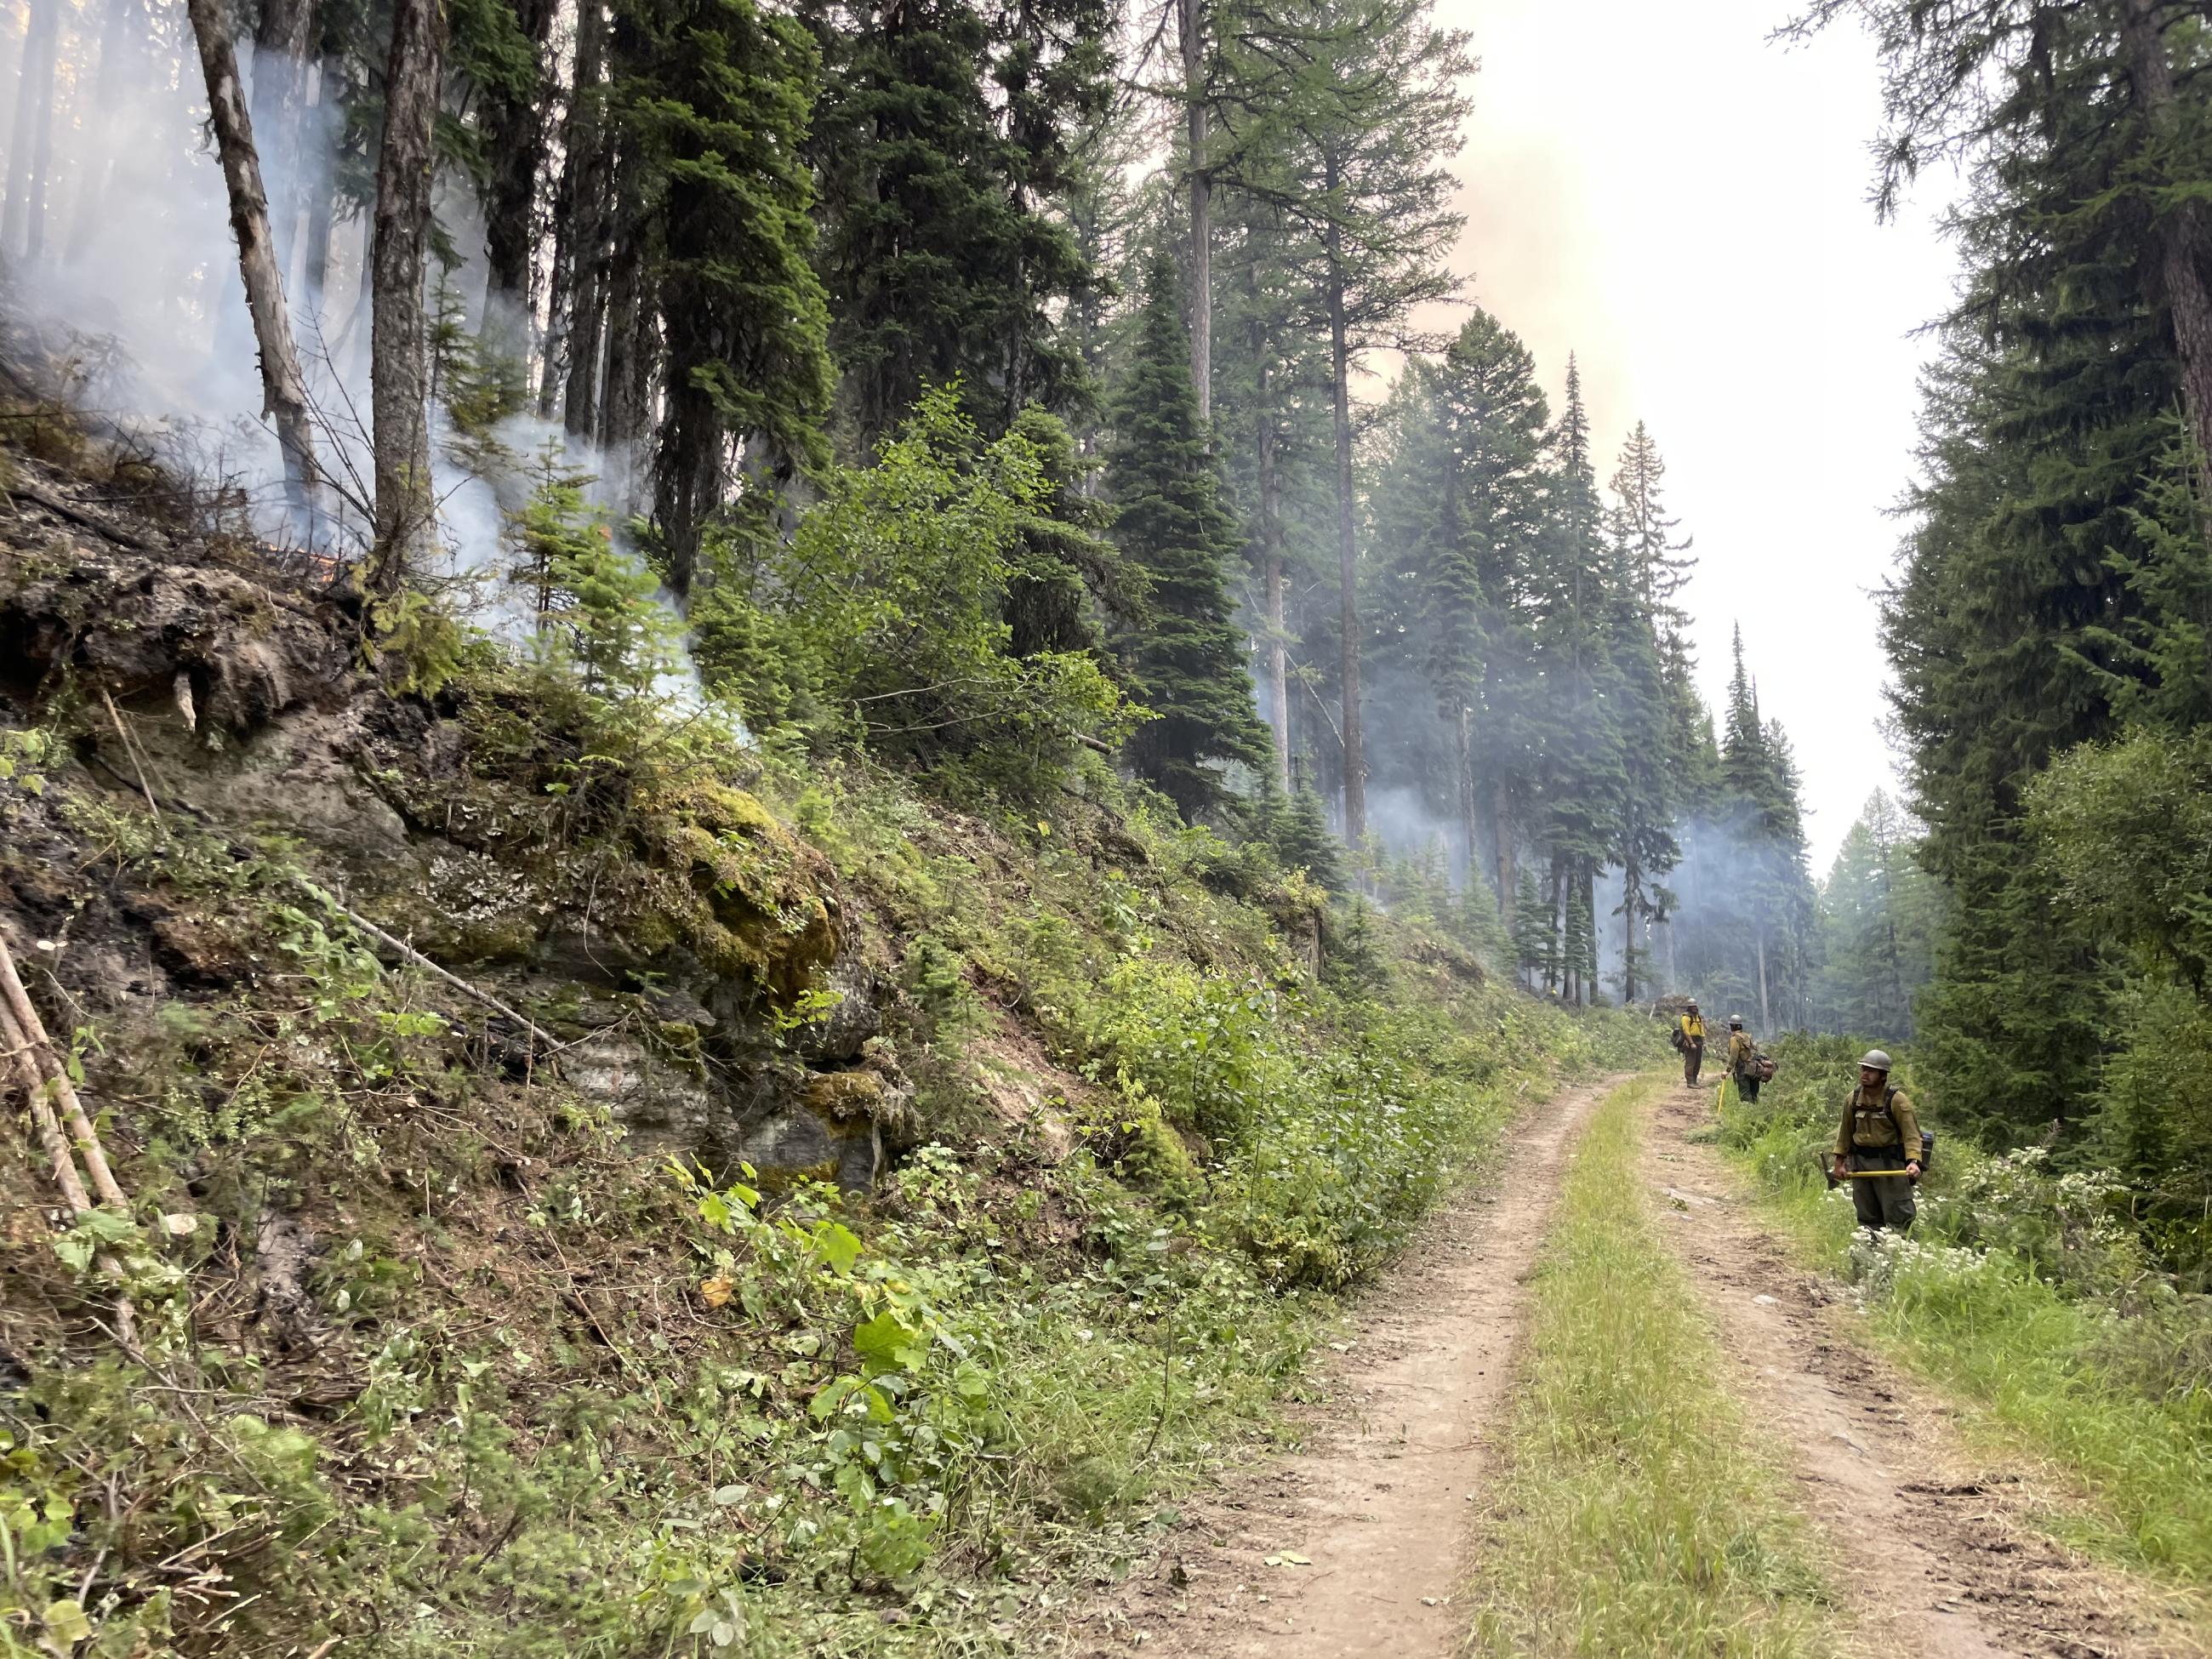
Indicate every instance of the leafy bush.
{"type": "Point", "coordinates": [885, 617]}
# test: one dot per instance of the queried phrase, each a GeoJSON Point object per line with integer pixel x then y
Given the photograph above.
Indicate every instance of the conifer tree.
{"type": "Point", "coordinates": [1186, 663]}
{"type": "Point", "coordinates": [716, 107]}
{"type": "Point", "coordinates": [942, 126]}
{"type": "Point", "coordinates": [1362, 110]}
{"type": "Point", "coordinates": [1302, 840]}
{"type": "Point", "coordinates": [1462, 513]}
{"type": "Point", "coordinates": [1581, 777]}
{"type": "Point", "coordinates": [1536, 942]}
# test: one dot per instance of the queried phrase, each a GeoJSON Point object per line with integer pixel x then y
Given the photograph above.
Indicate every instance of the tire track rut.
{"type": "Point", "coordinates": [1934, 1552]}
{"type": "Point", "coordinates": [1351, 1547]}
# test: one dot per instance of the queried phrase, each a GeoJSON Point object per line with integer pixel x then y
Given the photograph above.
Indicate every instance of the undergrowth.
{"type": "Point", "coordinates": [1637, 1515]}
{"type": "Point", "coordinates": [2027, 1290]}
{"type": "Point", "coordinates": [526, 1390]}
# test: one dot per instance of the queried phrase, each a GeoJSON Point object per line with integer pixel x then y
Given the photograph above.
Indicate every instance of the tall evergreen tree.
{"type": "Point", "coordinates": [1359, 107]}
{"type": "Point", "coordinates": [1581, 776]}
{"type": "Point", "coordinates": [943, 126]}
{"type": "Point", "coordinates": [1186, 663]}
{"type": "Point", "coordinates": [716, 108]}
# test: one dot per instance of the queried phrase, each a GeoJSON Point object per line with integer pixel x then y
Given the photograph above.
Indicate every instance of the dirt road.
{"type": "Point", "coordinates": [1351, 1546]}
{"type": "Point", "coordinates": [1932, 1546]}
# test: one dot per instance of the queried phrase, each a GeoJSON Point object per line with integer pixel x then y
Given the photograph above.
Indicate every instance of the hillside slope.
{"type": "Point", "coordinates": [811, 1219]}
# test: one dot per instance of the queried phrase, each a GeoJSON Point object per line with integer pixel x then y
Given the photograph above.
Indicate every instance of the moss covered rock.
{"type": "Point", "coordinates": [724, 879]}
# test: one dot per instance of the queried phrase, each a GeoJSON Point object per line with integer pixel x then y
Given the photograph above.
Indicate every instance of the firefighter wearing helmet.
{"type": "Point", "coordinates": [1879, 1131]}
{"type": "Point", "coordinates": [1690, 1042]}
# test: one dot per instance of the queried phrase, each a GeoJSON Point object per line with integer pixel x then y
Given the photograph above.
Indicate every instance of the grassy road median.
{"type": "Point", "coordinates": [1635, 1515]}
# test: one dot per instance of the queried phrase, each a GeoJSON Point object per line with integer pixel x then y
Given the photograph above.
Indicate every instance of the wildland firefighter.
{"type": "Point", "coordinates": [1879, 1131]}
{"type": "Point", "coordinates": [1690, 1039]}
{"type": "Point", "coordinates": [1744, 1061]}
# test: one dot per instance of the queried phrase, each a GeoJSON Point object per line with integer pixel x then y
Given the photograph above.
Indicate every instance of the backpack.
{"type": "Point", "coordinates": [1764, 1066]}
{"type": "Point", "coordinates": [1927, 1136]}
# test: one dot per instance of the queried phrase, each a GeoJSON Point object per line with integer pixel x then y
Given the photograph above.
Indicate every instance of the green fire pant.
{"type": "Point", "coordinates": [1887, 1201]}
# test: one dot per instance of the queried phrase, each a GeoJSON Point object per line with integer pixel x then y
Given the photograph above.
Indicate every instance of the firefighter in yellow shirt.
{"type": "Point", "coordinates": [1691, 1032]}
{"type": "Point", "coordinates": [1743, 1061]}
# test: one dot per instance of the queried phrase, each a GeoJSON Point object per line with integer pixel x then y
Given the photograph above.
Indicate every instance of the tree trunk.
{"type": "Point", "coordinates": [594, 147]}
{"type": "Point", "coordinates": [322, 204]}
{"type": "Point", "coordinates": [1628, 932]}
{"type": "Point", "coordinates": [1765, 1016]}
{"type": "Point", "coordinates": [284, 389]}
{"type": "Point", "coordinates": [280, 97]}
{"type": "Point", "coordinates": [1555, 954]}
{"type": "Point", "coordinates": [30, 151]}
{"type": "Point", "coordinates": [398, 339]}
{"type": "Point", "coordinates": [1348, 552]}
{"type": "Point", "coordinates": [2180, 278]}
{"type": "Point", "coordinates": [1193, 32]}
{"type": "Point", "coordinates": [1501, 836]}
{"type": "Point", "coordinates": [1586, 970]}
{"type": "Point", "coordinates": [1271, 564]}
{"type": "Point", "coordinates": [515, 138]}
{"type": "Point", "coordinates": [687, 480]}
{"type": "Point", "coordinates": [122, 47]}
{"type": "Point", "coordinates": [1463, 764]}
{"type": "Point", "coordinates": [571, 250]}
{"type": "Point", "coordinates": [622, 400]}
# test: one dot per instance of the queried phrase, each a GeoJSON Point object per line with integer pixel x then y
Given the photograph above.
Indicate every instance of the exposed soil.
{"type": "Point", "coordinates": [1931, 1547]}
{"type": "Point", "coordinates": [1352, 1544]}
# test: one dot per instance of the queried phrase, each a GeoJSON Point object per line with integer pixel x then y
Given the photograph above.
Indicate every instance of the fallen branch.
{"type": "Point", "coordinates": [30, 1031]}
{"type": "Point", "coordinates": [84, 516]}
{"type": "Point", "coordinates": [402, 948]}
{"type": "Point", "coordinates": [130, 752]}
{"type": "Point", "coordinates": [43, 1120]}
{"type": "Point", "coordinates": [30, 1053]}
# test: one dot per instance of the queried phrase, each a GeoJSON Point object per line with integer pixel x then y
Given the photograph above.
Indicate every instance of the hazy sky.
{"type": "Point", "coordinates": [1657, 189]}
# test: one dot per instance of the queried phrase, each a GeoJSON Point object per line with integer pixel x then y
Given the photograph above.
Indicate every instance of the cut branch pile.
{"type": "Point", "coordinates": [65, 1129]}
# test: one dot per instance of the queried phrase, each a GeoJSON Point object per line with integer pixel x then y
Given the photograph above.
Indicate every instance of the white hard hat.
{"type": "Point", "coordinates": [1874, 1061]}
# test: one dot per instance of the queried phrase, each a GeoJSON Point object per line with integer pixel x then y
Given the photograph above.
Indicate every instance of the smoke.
{"type": "Point", "coordinates": [143, 292]}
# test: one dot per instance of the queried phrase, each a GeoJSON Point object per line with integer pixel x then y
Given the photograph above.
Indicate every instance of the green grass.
{"type": "Point", "coordinates": [1635, 1516]}
{"type": "Point", "coordinates": [2026, 1302]}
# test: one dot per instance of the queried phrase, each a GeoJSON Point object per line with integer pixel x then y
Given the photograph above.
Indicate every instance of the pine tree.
{"type": "Point", "coordinates": [941, 125]}
{"type": "Point", "coordinates": [1068, 582]}
{"type": "Point", "coordinates": [1304, 840]}
{"type": "Point", "coordinates": [1460, 509]}
{"type": "Point", "coordinates": [1535, 945]}
{"type": "Point", "coordinates": [1659, 564]}
{"type": "Point", "coordinates": [1581, 775]}
{"type": "Point", "coordinates": [716, 109]}
{"type": "Point", "coordinates": [1360, 109]}
{"type": "Point", "coordinates": [1186, 663]}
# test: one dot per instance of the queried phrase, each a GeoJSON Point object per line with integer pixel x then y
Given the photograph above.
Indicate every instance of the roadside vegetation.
{"type": "Point", "coordinates": [2029, 1290]}
{"type": "Point", "coordinates": [532, 1385]}
{"type": "Point", "coordinates": [1636, 1513]}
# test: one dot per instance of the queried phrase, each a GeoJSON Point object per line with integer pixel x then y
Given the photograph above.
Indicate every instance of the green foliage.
{"type": "Point", "coordinates": [1877, 919]}
{"type": "Point", "coordinates": [2123, 837]}
{"type": "Point", "coordinates": [940, 125]}
{"type": "Point", "coordinates": [888, 611]}
{"type": "Point", "coordinates": [715, 102]}
{"type": "Point", "coordinates": [1185, 663]}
